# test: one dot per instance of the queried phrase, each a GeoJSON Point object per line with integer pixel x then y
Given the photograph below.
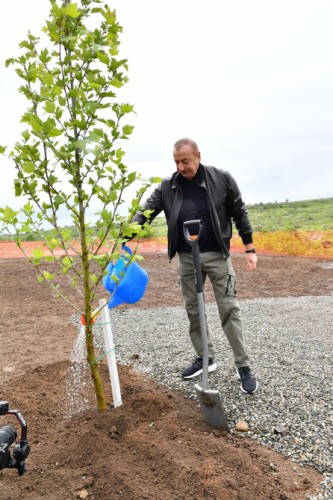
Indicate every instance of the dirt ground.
{"type": "Point", "coordinates": [156, 445]}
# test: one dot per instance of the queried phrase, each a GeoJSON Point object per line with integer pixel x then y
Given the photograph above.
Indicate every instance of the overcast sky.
{"type": "Point", "coordinates": [250, 81]}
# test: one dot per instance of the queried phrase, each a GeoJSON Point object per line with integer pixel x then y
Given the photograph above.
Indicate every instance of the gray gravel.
{"type": "Point", "coordinates": [290, 343]}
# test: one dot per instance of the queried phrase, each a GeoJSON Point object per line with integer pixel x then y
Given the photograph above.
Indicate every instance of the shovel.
{"type": "Point", "coordinates": [209, 399]}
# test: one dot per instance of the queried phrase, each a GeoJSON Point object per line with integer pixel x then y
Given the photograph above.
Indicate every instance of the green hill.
{"type": "Point", "coordinates": [304, 215]}
{"type": "Point", "coordinates": [307, 215]}
{"type": "Point", "coordinates": [294, 215]}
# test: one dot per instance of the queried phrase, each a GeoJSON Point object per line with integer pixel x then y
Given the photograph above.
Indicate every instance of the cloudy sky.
{"type": "Point", "coordinates": [250, 81]}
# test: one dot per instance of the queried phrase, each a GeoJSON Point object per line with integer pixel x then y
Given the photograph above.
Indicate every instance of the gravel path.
{"type": "Point", "coordinates": [290, 343]}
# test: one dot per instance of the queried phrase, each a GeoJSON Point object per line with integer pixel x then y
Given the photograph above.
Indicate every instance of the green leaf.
{"type": "Point", "coordinates": [62, 100]}
{"type": "Point", "coordinates": [80, 124]}
{"type": "Point", "coordinates": [110, 16]}
{"type": "Point", "coordinates": [18, 188]}
{"type": "Point", "coordinates": [26, 45]}
{"type": "Point", "coordinates": [81, 144]}
{"type": "Point", "coordinates": [116, 83]}
{"type": "Point", "coordinates": [66, 262]}
{"type": "Point", "coordinates": [103, 57]}
{"type": "Point", "coordinates": [48, 276]}
{"type": "Point", "coordinates": [131, 177]}
{"type": "Point", "coordinates": [128, 129]}
{"type": "Point", "coordinates": [9, 61]}
{"type": "Point", "coordinates": [2, 149]}
{"type": "Point", "coordinates": [28, 167]}
{"type": "Point", "coordinates": [154, 180]}
{"type": "Point", "coordinates": [47, 78]}
{"type": "Point", "coordinates": [108, 94]}
{"type": "Point", "coordinates": [119, 153]}
{"type": "Point", "coordinates": [32, 74]}
{"type": "Point", "coordinates": [37, 253]}
{"type": "Point", "coordinates": [54, 132]}
{"type": "Point", "coordinates": [58, 200]}
{"type": "Point", "coordinates": [35, 124]}
{"type": "Point", "coordinates": [56, 11]}
{"type": "Point", "coordinates": [130, 229]}
{"type": "Point", "coordinates": [28, 208]}
{"type": "Point", "coordinates": [26, 135]}
{"type": "Point", "coordinates": [93, 278]}
{"type": "Point", "coordinates": [58, 114]}
{"type": "Point", "coordinates": [126, 108]}
{"type": "Point", "coordinates": [98, 132]}
{"type": "Point", "coordinates": [49, 106]}
{"type": "Point", "coordinates": [44, 56]}
{"type": "Point", "coordinates": [9, 215]}
{"type": "Point", "coordinates": [91, 107]}
{"type": "Point", "coordinates": [71, 10]}
{"type": "Point", "coordinates": [52, 179]}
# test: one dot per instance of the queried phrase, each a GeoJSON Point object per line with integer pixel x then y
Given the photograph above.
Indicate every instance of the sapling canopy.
{"type": "Point", "coordinates": [69, 159]}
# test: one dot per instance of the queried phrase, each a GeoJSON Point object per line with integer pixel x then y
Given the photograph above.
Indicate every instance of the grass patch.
{"type": "Point", "coordinates": [309, 215]}
{"type": "Point", "coordinates": [297, 215]}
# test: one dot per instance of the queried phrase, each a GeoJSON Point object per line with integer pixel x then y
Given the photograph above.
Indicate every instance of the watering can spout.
{"type": "Point", "coordinates": [126, 281]}
{"type": "Point", "coordinates": [115, 300]}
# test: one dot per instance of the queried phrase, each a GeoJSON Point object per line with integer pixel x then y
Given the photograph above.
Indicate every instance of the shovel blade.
{"type": "Point", "coordinates": [211, 407]}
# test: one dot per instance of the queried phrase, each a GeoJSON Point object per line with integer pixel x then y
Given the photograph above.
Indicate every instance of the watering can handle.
{"type": "Point", "coordinates": [193, 240]}
{"type": "Point", "coordinates": [127, 249]}
{"type": "Point", "coordinates": [110, 266]}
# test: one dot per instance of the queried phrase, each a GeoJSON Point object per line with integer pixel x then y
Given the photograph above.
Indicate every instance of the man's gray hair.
{"type": "Point", "coordinates": [186, 142]}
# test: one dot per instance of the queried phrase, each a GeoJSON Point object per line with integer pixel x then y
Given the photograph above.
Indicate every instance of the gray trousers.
{"type": "Point", "coordinates": [223, 279]}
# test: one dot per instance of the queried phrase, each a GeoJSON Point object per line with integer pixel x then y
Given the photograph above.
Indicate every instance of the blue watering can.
{"type": "Point", "coordinates": [131, 281]}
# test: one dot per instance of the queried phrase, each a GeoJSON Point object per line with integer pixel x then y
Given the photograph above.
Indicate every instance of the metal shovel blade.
{"type": "Point", "coordinates": [211, 407]}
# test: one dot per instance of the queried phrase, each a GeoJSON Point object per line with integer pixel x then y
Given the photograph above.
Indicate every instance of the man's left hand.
{"type": "Point", "coordinates": [251, 259]}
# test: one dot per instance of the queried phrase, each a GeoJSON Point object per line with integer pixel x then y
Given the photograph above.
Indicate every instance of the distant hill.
{"type": "Point", "coordinates": [292, 215]}
{"type": "Point", "coordinates": [307, 215]}
{"type": "Point", "coordinates": [304, 215]}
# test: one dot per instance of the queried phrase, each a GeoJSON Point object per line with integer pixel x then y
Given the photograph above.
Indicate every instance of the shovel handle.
{"type": "Point", "coordinates": [198, 227]}
{"type": "Point", "coordinates": [193, 239]}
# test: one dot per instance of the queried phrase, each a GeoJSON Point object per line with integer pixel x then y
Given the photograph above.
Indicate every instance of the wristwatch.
{"type": "Point", "coordinates": [253, 250]}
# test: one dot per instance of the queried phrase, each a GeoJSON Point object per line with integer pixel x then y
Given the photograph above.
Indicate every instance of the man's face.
{"type": "Point", "coordinates": [187, 161]}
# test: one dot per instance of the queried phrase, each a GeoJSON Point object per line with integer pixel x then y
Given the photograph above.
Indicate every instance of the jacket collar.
{"type": "Point", "coordinates": [199, 177]}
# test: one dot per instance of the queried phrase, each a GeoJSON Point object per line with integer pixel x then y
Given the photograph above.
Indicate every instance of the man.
{"type": "Point", "coordinates": [210, 194]}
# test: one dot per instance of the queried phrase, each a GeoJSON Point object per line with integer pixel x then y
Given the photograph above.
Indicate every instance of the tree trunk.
{"type": "Point", "coordinates": [91, 358]}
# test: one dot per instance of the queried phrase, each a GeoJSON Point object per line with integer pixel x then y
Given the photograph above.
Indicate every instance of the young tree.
{"type": "Point", "coordinates": [68, 162]}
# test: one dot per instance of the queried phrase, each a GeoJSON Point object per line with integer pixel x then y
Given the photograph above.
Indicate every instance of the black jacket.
{"type": "Point", "coordinates": [225, 203]}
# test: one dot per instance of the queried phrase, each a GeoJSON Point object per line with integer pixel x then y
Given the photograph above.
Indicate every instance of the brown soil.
{"type": "Point", "coordinates": [157, 444]}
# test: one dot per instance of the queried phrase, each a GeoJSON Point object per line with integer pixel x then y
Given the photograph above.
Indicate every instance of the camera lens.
{"type": "Point", "coordinates": [7, 435]}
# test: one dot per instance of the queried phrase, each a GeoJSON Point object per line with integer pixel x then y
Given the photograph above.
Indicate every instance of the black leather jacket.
{"type": "Point", "coordinates": [225, 203]}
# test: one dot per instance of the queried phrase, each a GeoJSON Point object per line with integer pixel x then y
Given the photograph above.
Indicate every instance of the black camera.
{"type": "Point", "coordinates": [8, 435]}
